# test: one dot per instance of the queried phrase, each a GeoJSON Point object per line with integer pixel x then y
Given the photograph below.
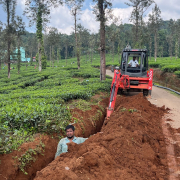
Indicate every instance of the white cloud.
{"type": "Point", "coordinates": [124, 14]}
{"type": "Point", "coordinates": [21, 3]}
{"type": "Point", "coordinates": [169, 9]}
{"type": "Point", "coordinates": [88, 20]}
{"type": "Point", "coordinates": [63, 20]}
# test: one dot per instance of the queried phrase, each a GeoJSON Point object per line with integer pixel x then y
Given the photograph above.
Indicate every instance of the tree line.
{"type": "Point", "coordinates": [161, 38]}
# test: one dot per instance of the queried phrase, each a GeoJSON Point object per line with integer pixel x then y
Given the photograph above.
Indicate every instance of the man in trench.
{"type": "Point", "coordinates": [62, 145]}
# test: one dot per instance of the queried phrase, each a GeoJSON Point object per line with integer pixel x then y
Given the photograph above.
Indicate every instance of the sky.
{"type": "Point", "coordinates": [62, 19]}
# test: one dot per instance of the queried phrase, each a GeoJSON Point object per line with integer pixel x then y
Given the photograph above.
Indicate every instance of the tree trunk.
{"type": "Point", "coordinates": [77, 48]}
{"type": "Point", "coordinates": [136, 35]}
{"type": "Point", "coordinates": [31, 56]}
{"type": "Point", "coordinates": [9, 43]}
{"type": "Point", "coordinates": [155, 45]}
{"type": "Point", "coordinates": [119, 53]}
{"type": "Point", "coordinates": [59, 55]}
{"type": "Point", "coordinates": [8, 60]}
{"type": "Point", "coordinates": [66, 54]}
{"type": "Point", "coordinates": [0, 63]}
{"type": "Point", "coordinates": [19, 56]}
{"type": "Point", "coordinates": [91, 56]}
{"type": "Point", "coordinates": [113, 52]}
{"type": "Point", "coordinates": [102, 43]}
{"type": "Point", "coordinates": [171, 50]}
{"type": "Point", "coordinates": [39, 50]}
{"type": "Point", "coordinates": [50, 56]}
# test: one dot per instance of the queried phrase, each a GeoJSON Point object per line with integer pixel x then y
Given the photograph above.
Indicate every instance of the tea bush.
{"type": "Point", "coordinates": [33, 101]}
{"type": "Point", "coordinates": [166, 64]}
{"type": "Point", "coordinates": [177, 73]}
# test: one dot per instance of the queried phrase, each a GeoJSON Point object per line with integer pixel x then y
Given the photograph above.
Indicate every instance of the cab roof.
{"type": "Point", "coordinates": [134, 50]}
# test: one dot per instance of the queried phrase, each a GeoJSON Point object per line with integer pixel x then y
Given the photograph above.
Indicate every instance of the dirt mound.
{"type": "Point", "coordinates": [9, 162]}
{"type": "Point", "coordinates": [130, 146]}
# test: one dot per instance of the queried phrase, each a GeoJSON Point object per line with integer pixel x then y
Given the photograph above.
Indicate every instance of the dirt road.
{"type": "Point", "coordinates": [162, 97]}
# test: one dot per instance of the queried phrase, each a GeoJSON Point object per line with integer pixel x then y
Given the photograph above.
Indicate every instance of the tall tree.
{"type": "Point", "coordinates": [178, 34]}
{"type": "Point", "coordinates": [58, 56]}
{"type": "Point", "coordinates": [32, 47]}
{"type": "Point", "coordinates": [139, 8]}
{"type": "Point", "coordinates": [177, 37]}
{"type": "Point", "coordinates": [155, 22]}
{"type": "Point", "coordinates": [91, 45]}
{"type": "Point", "coordinates": [9, 8]}
{"type": "Point", "coordinates": [20, 30]}
{"type": "Point", "coordinates": [75, 6]}
{"type": "Point", "coordinates": [2, 44]}
{"type": "Point", "coordinates": [102, 7]}
{"type": "Point", "coordinates": [84, 42]}
{"type": "Point", "coordinates": [112, 31]}
{"type": "Point", "coordinates": [66, 43]}
{"type": "Point", "coordinates": [52, 38]}
{"type": "Point", "coordinates": [149, 37]}
{"type": "Point", "coordinates": [38, 12]}
{"type": "Point", "coordinates": [171, 29]}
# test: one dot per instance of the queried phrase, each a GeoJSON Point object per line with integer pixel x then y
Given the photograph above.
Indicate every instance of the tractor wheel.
{"type": "Point", "coordinates": [120, 91]}
{"type": "Point", "coordinates": [145, 92]}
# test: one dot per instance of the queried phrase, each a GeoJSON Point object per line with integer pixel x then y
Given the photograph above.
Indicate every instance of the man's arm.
{"type": "Point", "coordinates": [137, 64]}
{"type": "Point", "coordinates": [59, 149]}
{"type": "Point", "coordinates": [81, 140]}
{"type": "Point", "coordinates": [130, 63]}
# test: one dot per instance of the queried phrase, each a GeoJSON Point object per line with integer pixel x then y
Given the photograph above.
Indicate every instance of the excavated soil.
{"type": "Point", "coordinates": [9, 165]}
{"type": "Point", "coordinates": [130, 146]}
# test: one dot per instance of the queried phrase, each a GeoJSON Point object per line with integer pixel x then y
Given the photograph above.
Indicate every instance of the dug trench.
{"type": "Point", "coordinates": [34, 156]}
{"type": "Point", "coordinates": [130, 145]}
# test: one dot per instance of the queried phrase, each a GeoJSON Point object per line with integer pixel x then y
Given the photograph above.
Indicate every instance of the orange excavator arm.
{"type": "Point", "coordinates": [113, 95]}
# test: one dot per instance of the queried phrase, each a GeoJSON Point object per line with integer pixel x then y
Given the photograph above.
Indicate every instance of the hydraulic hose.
{"type": "Point", "coordinates": [167, 89]}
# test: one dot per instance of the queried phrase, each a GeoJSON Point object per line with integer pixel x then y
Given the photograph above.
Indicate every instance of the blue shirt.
{"type": "Point", "coordinates": [62, 145]}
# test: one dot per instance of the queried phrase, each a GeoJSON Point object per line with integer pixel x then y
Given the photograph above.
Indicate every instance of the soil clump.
{"type": "Point", "coordinates": [130, 146]}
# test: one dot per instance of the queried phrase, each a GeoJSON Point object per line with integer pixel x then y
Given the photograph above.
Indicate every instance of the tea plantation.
{"type": "Point", "coordinates": [33, 102]}
{"type": "Point", "coordinates": [167, 65]}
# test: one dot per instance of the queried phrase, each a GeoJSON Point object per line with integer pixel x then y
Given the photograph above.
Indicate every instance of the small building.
{"type": "Point", "coordinates": [23, 57]}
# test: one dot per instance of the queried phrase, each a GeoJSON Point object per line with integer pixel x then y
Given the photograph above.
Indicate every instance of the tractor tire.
{"type": "Point", "coordinates": [120, 91]}
{"type": "Point", "coordinates": [145, 92]}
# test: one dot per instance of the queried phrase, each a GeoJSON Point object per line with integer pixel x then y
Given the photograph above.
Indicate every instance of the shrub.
{"type": "Point", "coordinates": [177, 73]}
{"type": "Point", "coordinates": [170, 68]}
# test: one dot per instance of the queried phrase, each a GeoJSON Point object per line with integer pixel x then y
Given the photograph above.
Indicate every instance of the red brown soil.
{"type": "Point", "coordinates": [130, 146]}
{"type": "Point", "coordinates": [9, 168]}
